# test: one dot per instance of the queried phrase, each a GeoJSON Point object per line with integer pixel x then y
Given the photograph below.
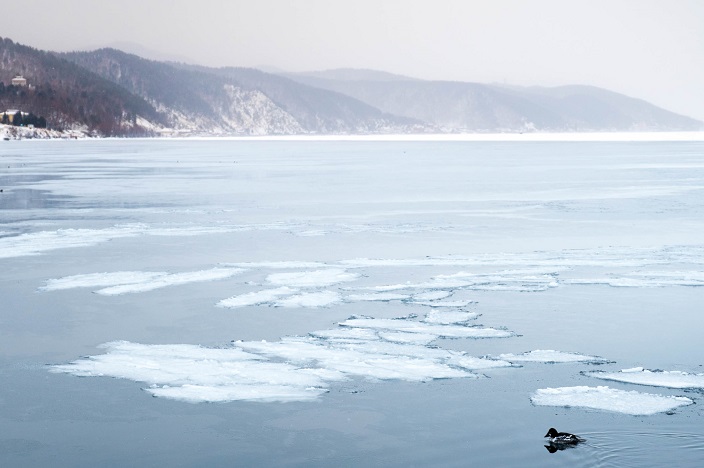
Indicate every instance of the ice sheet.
{"type": "Point", "coordinates": [551, 356]}
{"type": "Point", "coordinates": [653, 378]}
{"type": "Point", "coordinates": [608, 399]}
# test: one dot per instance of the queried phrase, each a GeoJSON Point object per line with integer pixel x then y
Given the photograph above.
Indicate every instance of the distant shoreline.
{"type": "Point", "coordinates": [44, 134]}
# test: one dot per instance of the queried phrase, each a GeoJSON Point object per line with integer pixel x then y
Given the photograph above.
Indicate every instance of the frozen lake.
{"type": "Point", "coordinates": [351, 303]}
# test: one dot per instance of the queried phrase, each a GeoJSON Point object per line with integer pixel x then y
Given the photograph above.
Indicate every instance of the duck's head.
{"type": "Point", "coordinates": [552, 432]}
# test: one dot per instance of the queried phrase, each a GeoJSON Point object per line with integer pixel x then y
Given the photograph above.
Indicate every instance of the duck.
{"type": "Point", "coordinates": [562, 438]}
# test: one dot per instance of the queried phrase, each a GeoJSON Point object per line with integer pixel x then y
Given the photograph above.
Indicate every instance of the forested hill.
{"type": "Point", "coordinates": [238, 101]}
{"type": "Point", "coordinates": [68, 96]}
{"type": "Point", "coordinates": [107, 92]}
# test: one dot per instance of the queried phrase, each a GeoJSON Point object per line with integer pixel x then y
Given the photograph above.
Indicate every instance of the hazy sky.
{"type": "Point", "coordinates": [651, 49]}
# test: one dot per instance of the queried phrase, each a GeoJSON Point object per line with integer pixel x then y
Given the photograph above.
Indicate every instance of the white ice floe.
{"type": "Point", "coordinates": [431, 295]}
{"type": "Point", "coordinates": [267, 296]}
{"type": "Point", "coordinates": [280, 265]}
{"type": "Point", "coordinates": [608, 399]}
{"type": "Point", "coordinates": [174, 279]}
{"type": "Point", "coordinates": [312, 279]}
{"type": "Point", "coordinates": [124, 282]}
{"type": "Point", "coordinates": [36, 243]}
{"type": "Point", "coordinates": [652, 279]}
{"type": "Point", "coordinates": [410, 326]}
{"type": "Point", "coordinates": [291, 369]}
{"type": "Point", "coordinates": [312, 299]}
{"type": "Point", "coordinates": [192, 373]}
{"type": "Point", "coordinates": [449, 317]}
{"type": "Point", "coordinates": [100, 280]}
{"type": "Point", "coordinates": [551, 356]}
{"type": "Point", "coordinates": [385, 297]}
{"type": "Point", "coordinates": [509, 280]}
{"type": "Point", "coordinates": [408, 338]}
{"type": "Point", "coordinates": [438, 304]}
{"type": "Point", "coordinates": [361, 361]}
{"type": "Point", "coordinates": [653, 378]}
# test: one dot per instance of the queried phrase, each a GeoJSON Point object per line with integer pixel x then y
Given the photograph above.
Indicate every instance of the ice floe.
{"type": "Point", "coordinates": [431, 295]}
{"type": "Point", "coordinates": [266, 296]}
{"type": "Point", "coordinates": [296, 368]}
{"type": "Point", "coordinates": [551, 356]}
{"type": "Point", "coordinates": [449, 317]}
{"type": "Point", "coordinates": [192, 373]}
{"type": "Point", "coordinates": [608, 399]}
{"type": "Point", "coordinates": [312, 279]}
{"type": "Point", "coordinates": [36, 243]}
{"type": "Point", "coordinates": [440, 330]}
{"type": "Point", "coordinates": [311, 299]}
{"type": "Point", "coordinates": [279, 265]}
{"type": "Point", "coordinates": [653, 378]}
{"type": "Point", "coordinates": [124, 282]}
{"type": "Point", "coordinates": [99, 280]}
{"type": "Point", "coordinates": [454, 304]}
{"type": "Point", "coordinates": [376, 297]}
{"type": "Point", "coordinates": [509, 280]}
{"type": "Point", "coordinates": [652, 279]}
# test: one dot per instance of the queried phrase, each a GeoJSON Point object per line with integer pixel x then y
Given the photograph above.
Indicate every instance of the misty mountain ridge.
{"type": "Point", "coordinates": [475, 107]}
{"type": "Point", "coordinates": [110, 92]}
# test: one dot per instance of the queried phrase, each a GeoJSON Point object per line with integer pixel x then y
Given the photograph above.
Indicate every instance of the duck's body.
{"type": "Point", "coordinates": [562, 438]}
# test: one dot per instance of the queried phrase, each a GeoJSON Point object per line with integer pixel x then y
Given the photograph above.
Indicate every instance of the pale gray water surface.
{"type": "Point", "coordinates": [584, 247]}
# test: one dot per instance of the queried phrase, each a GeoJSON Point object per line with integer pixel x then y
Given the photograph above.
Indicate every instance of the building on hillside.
{"type": "Point", "coordinates": [10, 113]}
{"type": "Point", "coordinates": [19, 80]}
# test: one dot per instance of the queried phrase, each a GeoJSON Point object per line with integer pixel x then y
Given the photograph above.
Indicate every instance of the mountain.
{"type": "Point", "coordinates": [236, 100]}
{"type": "Point", "coordinates": [475, 107]}
{"type": "Point", "coordinates": [69, 96]}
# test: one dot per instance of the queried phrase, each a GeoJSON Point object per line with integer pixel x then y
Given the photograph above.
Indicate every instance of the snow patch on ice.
{"type": "Point", "coordinates": [608, 399]}
{"type": "Point", "coordinates": [653, 378]}
{"type": "Point", "coordinates": [551, 356]}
